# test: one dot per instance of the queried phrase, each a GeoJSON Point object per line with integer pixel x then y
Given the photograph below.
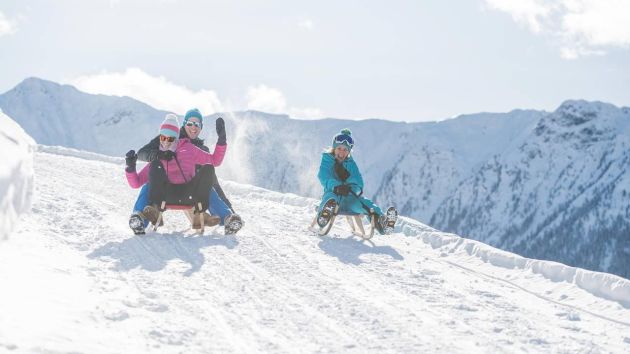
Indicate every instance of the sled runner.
{"type": "Point", "coordinates": [354, 219]}
{"type": "Point", "coordinates": [326, 218]}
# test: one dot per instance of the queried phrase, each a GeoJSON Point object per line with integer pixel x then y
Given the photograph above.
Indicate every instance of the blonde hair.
{"type": "Point", "coordinates": [331, 150]}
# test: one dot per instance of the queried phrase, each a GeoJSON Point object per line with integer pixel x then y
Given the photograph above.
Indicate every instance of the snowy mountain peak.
{"type": "Point", "coordinates": [579, 112]}
{"type": "Point", "coordinates": [36, 83]}
{"type": "Point", "coordinates": [581, 123]}
{"type": "Point", "coordinates": [36, 86]}
{"type": "Point", "coordinates": [56, 114]}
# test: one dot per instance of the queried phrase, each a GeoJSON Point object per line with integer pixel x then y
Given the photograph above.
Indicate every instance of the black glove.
{"type": "Point", "coordinates": [342, 189]}
{"type": "Point", "coordinates": [341, 171]}
{"type": "Point", "coordinates": [165, 155]}
{"type": "Point", "coordinates": [221, 131]}
{"type": "Point", "coordinates": [130, 160]}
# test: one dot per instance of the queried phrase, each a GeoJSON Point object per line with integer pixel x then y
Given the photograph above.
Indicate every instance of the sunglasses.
{"type": "Point", "coordinates": [190, 124]}
{"type": "Point", "coordinates": [170, 139]}
{"type": "Point", "coordinates": [344, 139]}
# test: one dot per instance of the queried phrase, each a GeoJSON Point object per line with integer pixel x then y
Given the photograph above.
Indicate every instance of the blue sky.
{"type": "Point", "coordinates": [396, 60]}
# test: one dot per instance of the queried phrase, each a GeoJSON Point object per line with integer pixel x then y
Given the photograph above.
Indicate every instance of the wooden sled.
{"type": "Point", "coordinates": [191, 213]}
{"type": "Point", "coordinates": [355, 221]}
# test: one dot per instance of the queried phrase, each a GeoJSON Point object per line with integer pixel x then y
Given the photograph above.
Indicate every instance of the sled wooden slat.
{"type": "Point", "coordinates": [177, 207]}
{"type": "Point", "coordinates": [201, 218]}
{"type": "Point", "coordinates": [155, 227]}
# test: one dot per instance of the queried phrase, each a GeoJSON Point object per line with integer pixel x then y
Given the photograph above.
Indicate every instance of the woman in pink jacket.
{"type": "Point", "coordinates": [173, 178]}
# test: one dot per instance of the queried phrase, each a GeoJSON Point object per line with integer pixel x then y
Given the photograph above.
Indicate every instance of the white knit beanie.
{"type": "Point", "coordinates": [170, 126]}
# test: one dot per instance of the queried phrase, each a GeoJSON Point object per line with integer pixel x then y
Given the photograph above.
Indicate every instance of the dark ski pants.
{"type": "Point", "coordinates": [216, 204]}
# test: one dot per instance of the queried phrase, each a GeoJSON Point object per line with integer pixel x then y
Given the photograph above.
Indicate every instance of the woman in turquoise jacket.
{"type": "Point", "coordinates": [343, 186]}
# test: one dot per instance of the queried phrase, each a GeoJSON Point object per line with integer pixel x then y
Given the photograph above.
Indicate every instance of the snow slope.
{"type": "Point", "coordinates": [16, 173]}
{"type": "Point", "coordinates": [79, 281]}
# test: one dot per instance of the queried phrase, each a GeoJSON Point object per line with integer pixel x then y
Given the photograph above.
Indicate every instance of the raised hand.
{"type": "Point", "coordinates": [130, 160]}
{"type": "Point", "coordinates": [221, 131]}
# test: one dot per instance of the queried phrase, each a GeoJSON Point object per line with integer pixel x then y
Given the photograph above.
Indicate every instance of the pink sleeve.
{"type": "Point", "coordinates": [137, 180]}
{"type": "Point", "coordinates": [214, 159]}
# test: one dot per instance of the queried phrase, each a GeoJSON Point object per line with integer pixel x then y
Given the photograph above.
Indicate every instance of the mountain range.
{"type": "Point", "coordinates": [546, 185]}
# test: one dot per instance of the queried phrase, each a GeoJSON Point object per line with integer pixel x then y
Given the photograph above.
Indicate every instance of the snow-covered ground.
{"type": "Point", "coordinates": [16, 173]}
{"type": "Point", "coordinates": [77, 280]}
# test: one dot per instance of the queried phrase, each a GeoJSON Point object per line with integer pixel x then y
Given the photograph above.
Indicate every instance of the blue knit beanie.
{"type": "Point", "coordinates": [193, 113]}
{"type": "Point", "coordinates": [344, 138]}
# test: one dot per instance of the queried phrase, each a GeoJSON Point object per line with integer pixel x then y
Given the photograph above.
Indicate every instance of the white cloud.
{"type": "Point", "coordinates": [598, 22]}
{"type": "Point", "coordinates": [155, 91]}
{"type": "Point", "coordinates": [271, 100]}
{"type": "Point", "coordinates": [306, 24]}
{"type": "Point", "coordinates": [527, 12]}
{"type": "Point", "coordinates": [6, 26]}
{"type": "Point", "coordinates": [583, 27]}
{"type": "Point", "coordinates": [266, 99]}
{"type": "Point", "coordinates": [166, 95]}
{"type": "Point", "coordinates": [574, 52]}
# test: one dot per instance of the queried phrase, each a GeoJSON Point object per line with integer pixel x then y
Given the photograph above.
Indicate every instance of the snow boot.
{"type": "Point", "coordinates": [136, 223]}
{"type": "Point", "coordinates": [233, 223]}
{"type": "Point", "coordinates": [326, 213]}
{"type": "Point", "coordinates": [387, 221]}
{"type": "Point", "coordinates": [208, 220]}
{"type": "Point", "coordinates": [151, 213]}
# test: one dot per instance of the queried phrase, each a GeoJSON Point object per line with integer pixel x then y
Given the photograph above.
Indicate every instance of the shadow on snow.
{"type": "Point", "coordinates": [152, 252]}
{"type": "Point", "coordinates": [348, 250]}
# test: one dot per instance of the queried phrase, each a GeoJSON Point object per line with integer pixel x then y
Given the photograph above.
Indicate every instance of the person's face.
{"type": "Point", "coordinates": [341, 152]}
{"type": "Point", "coordinates": [193, 127]}
{"type": "Point", "coordinates": [166, 141]}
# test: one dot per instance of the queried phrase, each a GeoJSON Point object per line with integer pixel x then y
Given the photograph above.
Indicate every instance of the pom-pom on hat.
{"type": "Point", "coordinates": [193, 113]}
{"type": "Point", "coordinates": [170, 126]}
{"type": "Point", "coordinates": [343, 138]}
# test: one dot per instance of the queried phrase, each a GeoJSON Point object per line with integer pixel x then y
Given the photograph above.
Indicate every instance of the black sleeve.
{"type": "Point", "coordinates": [149, 152]}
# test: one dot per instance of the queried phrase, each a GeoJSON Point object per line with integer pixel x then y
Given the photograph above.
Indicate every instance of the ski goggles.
{"type": "Point", "coordinates": [344, 139]}
{"type": "Point", "coordinates": [170, 139]}
{"type": "Point", "coordinates": [195, 124]}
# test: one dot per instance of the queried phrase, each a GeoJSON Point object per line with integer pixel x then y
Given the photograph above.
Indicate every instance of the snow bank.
{"type": "Point", "coordinates": [603, 285]}
{"type": "Point", "coordinates": [16, 173]}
